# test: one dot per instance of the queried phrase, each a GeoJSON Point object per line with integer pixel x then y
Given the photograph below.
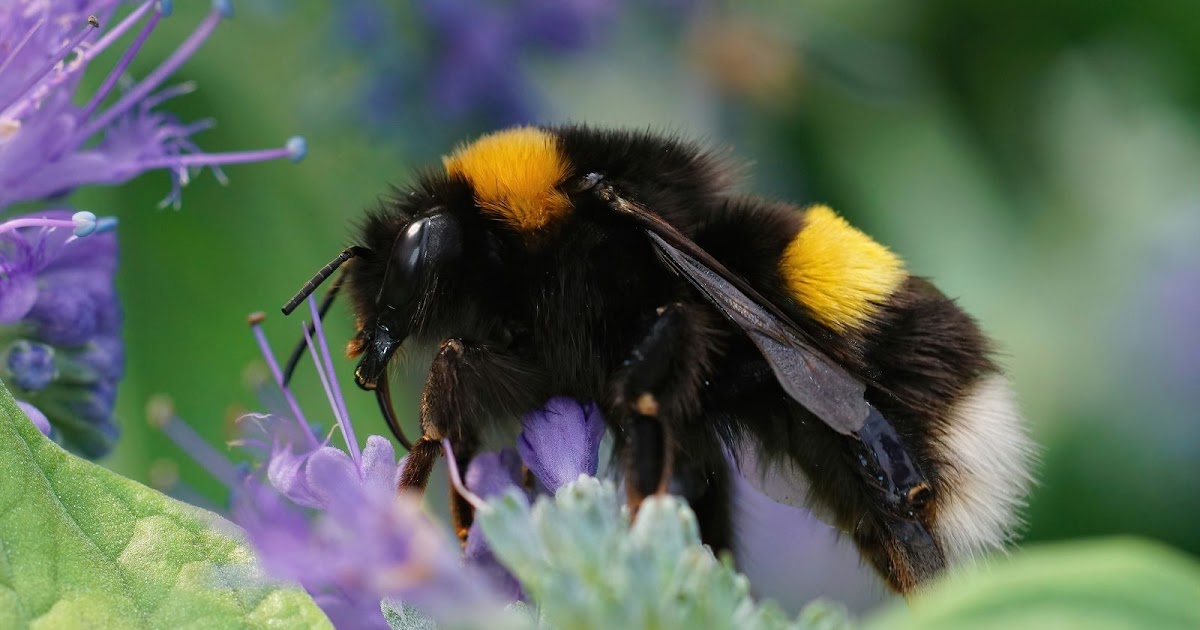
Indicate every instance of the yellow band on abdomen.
{"type": "Point", "coordinates": [840, 275]}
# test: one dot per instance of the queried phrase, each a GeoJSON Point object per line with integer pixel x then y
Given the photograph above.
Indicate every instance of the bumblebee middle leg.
{"type": "Point", "coordinates": [654, 394]}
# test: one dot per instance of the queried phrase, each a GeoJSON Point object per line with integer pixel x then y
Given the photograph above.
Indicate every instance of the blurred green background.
{"type": "Point", "coordinates": [1038, 160]}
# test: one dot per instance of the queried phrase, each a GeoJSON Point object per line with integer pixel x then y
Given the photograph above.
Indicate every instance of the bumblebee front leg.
{"type": "Point", "coordinates": [654, 392]}
{"type": "Point", "coordinates": [468, 384]}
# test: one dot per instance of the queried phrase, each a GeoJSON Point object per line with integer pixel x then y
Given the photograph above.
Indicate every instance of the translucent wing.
{"type": "Point", "coordinates": [814, 380]}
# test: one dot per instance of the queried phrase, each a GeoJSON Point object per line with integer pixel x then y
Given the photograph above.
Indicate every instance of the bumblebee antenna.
{"type": "Point", "coordinates": [321, 276]}
{"type": "Point", "coordinates": [298, 352]}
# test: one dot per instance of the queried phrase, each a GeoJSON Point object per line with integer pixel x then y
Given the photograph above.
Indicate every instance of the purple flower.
{"type": "Point", "coordinates": [558, 443]}
{"type": "Point", "coordinates": [561, 441]}
{"type": "Point", "coordinates": [330, 518]}
{"type": "Point", "coordinates": [35, 415]}
{"type": "Point", "coordinates": [50, 145]}
{"type": "Point", "coordinates": [489, 475]}
{"type": "Point", "coordinates": [60, 321]}
{"type": "Point", "coordinates": [59, 313]}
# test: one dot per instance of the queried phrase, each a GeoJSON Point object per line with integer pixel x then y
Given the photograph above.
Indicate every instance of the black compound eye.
{"type": "Point", "coordinates": [425, 245]}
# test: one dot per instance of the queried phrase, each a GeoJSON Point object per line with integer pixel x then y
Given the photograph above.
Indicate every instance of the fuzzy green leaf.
{"type": "Point", "coordinates": [586, 566]}
{"type": "Point", "coordinates": [85, 547]}
{"type": "Point", "coordinates": [1111, 584]}
{"type": "Point", "coordinates": [401, 616]}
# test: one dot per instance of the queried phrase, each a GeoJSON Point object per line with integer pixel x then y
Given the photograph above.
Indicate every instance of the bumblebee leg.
{"type": "Point", "coordinates": [419, 465]}
{"type": "Point", "coordinates": [462, 513]}
{"type": "Point", "coordinates": [655, 391]}
{"type": "Point", "coordinates": [470, 383]}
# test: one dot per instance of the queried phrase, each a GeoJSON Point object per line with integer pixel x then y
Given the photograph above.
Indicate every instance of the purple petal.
{"type": "Point", "coordinates": [35, 416]}
{"type": "Point", "coordinates": [330, 473]}
{"type": "Point", "coordinates": [490, 474]}
{"type": "Point", "coordinates": [286, 473]}
{"type": "Point", "coordinates": [479, 555]}
{"type": "Point", "coordinates": [379, 467]}
{"type": "Point", "coordinates": [64, 315]}
{"type": "Point", "coordinates": [18, 293]}
{"type": "Point", "coordinates": [561, 441]}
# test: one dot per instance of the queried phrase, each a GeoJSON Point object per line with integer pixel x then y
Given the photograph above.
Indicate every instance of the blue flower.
{"type": "Point", "coordinates": [60, 324]}
{"type": "Point", "coordinates": [60, 320]}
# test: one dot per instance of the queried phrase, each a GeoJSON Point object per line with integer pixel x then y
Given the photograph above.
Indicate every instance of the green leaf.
{"type": "Point", "coordinates": [1105, 584]}
{"type": "Point", "coordinates": [85, 547]}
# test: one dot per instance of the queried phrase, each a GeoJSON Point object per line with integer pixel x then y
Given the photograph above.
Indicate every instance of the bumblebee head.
{"type": "Point", "coordinates": [423, 248]}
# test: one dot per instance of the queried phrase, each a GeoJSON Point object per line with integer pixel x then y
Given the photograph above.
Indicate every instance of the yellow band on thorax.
{"type": "Point", "coordinates": [515, 174]}
{"type": "Point", "coordinates": [838, 273]}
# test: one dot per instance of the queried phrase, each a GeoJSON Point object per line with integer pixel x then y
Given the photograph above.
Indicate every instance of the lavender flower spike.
{"type": "Point", "coordinates": [49, 145]}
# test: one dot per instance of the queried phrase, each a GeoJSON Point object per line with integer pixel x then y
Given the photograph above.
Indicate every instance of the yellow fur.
{"type": "Point", "coordinates": [514, 173]}
{"type": "Point", "coordinates": [838, 273]}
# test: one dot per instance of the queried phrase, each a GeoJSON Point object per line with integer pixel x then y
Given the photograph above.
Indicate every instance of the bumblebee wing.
{"type": "Point", "coordinates": [807, 375]}
{"type": "Point", "coordinates": [814, 380]}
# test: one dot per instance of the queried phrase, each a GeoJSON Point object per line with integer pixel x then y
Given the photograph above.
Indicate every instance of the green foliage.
{"type": "Point", "coordinates": [1106, 584]}
{"type": "Point", "coordinates": [578, 557]}
{"type": "Point", "coordinates": [584, 566]}
{"type": "Point", "coordinates": [401, 616]}
{"type": "Point", "coordinates": [85, 547]}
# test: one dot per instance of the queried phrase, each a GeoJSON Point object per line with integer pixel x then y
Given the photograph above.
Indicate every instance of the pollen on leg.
{"type": "Point", "coordinates": [452, 347]}
{"type": "Point", "coordinates": [646, 404]}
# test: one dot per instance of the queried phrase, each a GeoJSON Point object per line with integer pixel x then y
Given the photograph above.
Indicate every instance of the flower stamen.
{"type": "Point", "coordinates": [111, 80]}
{"type": "Point", "coordinates": [117, 31]}
{"type": "Point", "coordinates": [83, 222]}
{"type": "Point", "coordinates": [264, 348]}
{"type": "Point", "coordinates": [21, 44]}
{"type": "Point", "coordinates": [156, 76]}
{"type": "Point", "coordinates": [53, 61]}
{"type": "Point", "coordinates": [329, 381]}
{"type": "Point", "coordinates": [456, 480]}
{"type": "Point", "coordinates": [293, 150]}
{"type": "Point", "coordinates": [160, 412]}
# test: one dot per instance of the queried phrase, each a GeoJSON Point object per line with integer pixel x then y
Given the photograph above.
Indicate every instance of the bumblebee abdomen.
{"type": "Point", "coordinates": [838, 274]}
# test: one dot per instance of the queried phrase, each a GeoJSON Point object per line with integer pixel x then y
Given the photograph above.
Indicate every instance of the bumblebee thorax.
{"type": "Point", "coordinates": [515, 174]}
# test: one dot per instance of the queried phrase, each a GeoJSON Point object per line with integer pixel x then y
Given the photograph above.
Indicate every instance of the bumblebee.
{"type": "Point", "coordinates": [710, 326]}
